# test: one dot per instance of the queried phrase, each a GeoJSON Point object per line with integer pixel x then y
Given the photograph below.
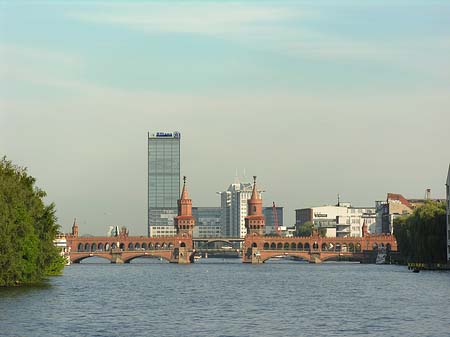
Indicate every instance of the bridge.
{"type": "Point", "coordinates": [316, 249]}
{"type": "Point", "coordinates": [257, 247]}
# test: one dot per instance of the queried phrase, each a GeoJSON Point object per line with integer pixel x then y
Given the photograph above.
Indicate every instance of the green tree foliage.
{"type": "Point", "coordinates": [27, 229]}
{"type": "Point", "coordinates": [306, 229]}
{"type": "Point", "coordinates": [421, 236]}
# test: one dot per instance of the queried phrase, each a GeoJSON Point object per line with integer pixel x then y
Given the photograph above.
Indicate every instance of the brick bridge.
{"type": "Point", "coordinates": [257, 248]}
{"type": "Point", "coordinates": [315, 249]}
{"type": "Point", "coordinates": [123, 248]}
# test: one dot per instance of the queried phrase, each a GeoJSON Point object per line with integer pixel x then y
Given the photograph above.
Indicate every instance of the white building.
{"type": "Point", "coordinates": [341, 220]}
{"type": "Point", "coordinates": [159, 231]}
{"type": "Point", "coordinates": [234, 208]}
{"type": "Point", "coordinates": [448, 213]}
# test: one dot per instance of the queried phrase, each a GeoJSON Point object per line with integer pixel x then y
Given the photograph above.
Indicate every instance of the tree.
{"type": "Point", "coordinates": [307, 227]}
{"type": "Point", "coordinates": [421, 236]}
{"type": "Point", "coordinates": [27, 229]}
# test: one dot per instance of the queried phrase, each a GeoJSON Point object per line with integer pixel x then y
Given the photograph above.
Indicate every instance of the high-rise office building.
{"type": "Point", "coordinates": [163, 181]}
{"type": "Point", "coordinates": [234, 208]}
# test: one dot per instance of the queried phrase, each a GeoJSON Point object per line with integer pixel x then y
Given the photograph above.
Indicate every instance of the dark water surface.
{"type": "Point", "coordinates": [231, 299]}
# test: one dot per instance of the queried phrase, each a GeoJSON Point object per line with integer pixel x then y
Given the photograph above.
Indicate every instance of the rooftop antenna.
{"type": "Point", "coordinates": [339, 202]}
{"type": "Point", "coordinates": [245, 174]}
{"type": "Point", "coordinates": [236, 177]}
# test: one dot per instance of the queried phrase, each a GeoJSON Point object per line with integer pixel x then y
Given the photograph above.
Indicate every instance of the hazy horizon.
{"type": "Point", "coordinates": [314, 98]}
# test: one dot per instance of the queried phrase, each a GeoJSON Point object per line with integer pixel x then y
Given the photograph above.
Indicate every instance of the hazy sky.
{"type": "Point", "coordinates": [314, 97]}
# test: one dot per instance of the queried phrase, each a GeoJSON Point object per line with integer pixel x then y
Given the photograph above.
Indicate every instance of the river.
{"type": "Point", "coordinates": [226, 298]}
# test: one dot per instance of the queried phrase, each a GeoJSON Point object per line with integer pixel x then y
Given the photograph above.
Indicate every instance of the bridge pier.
{"type": "Point", "coordinates": [252, 255]}
{"type": "Point", "coordinates": [116, 257]}
{"type": "Point", "coordinates": [315, 258]}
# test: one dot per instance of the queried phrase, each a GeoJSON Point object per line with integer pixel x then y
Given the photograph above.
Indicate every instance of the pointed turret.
{"type": "Point", "coordinates": [75, 228]}
{"type": "Point", "coordinates": [184, 222]}
{"type": "Point", "coordinates": [255, 221]}
{"type": "Point", "coordinates": [364, 229]}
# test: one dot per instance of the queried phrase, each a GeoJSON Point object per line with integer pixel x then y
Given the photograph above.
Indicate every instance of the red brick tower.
{"type": "Point", "coordinates": [364, 230]}
{"type": "Point", "coordinates": [255, 221]}
{"type": "Point", "coordinates": [75, 228]}
{"type": "Point", "coordinates": [185, 222]}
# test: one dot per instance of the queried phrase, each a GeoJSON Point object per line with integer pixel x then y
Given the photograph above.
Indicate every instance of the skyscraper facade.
{"type": "Point", "coordinates": [163, 180]}
{"type": "Point", "coordinates": [234, 208]}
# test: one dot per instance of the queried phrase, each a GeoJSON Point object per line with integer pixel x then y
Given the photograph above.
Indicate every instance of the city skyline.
{"type": "Point", "coordinates": [315, 99]}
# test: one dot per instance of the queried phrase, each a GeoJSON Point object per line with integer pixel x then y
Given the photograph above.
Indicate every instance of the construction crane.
{"type": "Point", "coordinates": [276, 225]}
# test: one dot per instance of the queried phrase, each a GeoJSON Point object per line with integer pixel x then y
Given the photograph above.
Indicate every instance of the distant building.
{"type": "Point", "coordinates": [234, 209]}
{"type": "Point", "coordinates": [270, 219]}
{"type": "Point", "coordinates": [208, 222]}
{"type": "Point", "coordinates": [397, 205]}
{"type": "Point", "coordinates": [448, 213]}
{"type": "Point", "coordinates": [163, 181]}
{"type": "Point", "coordinates": [341, 220]}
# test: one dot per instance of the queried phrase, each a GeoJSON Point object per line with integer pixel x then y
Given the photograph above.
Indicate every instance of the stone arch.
{"type": "Point", "coordinates": [122, 246]}
{"type": "Point", "coordinates": [171, 246]}
{"type": "Point", "coordinates": [286, 246]}
{"type": "Point", "coordinates": [254, 245]}
{"type": "Point", "coordinates": [107, 246]}
{"type": "Point", "coordinates": [375, 246]}
{"type": "Point", "coordinates": [266, 246]}
{"type": "Point", "coordinates": [351, 247]}
{"type": "Point", "coordinates": [388, 247]}
{"type": "Point", "coordinates": [158, 246]}
{"type": "Point", "coordinates": [164, 245]}
{"type": "Point", "coordinates": [273, 246]}
{"type": "Point", "coordinates": [358, 247]}
{"type": "Point", "coordinates": [87, 247]}
{"type": "Point", "coordinates": [324, 246]}
{"type": "Point", "coordinates": [93, 247]}
{"type": "Point", "coordinates": [315, 245]}
{"type": "Point", "coordinates": [100, 247]}
{"type": "Point", "coordinates": [293, 246]}
{"type": "Point", "coordinates": [144, 245]}
{"type": "Point", "coordinates": [279, 246]}
{"type": "Point", "coordinates": [130, 246]}
{"type": "Point", "coordinates": [151, 246]}
{"type": "Point", "coordinates": [113, 245]}
{"type": "Point", "coordinates": [306, 246]}
{"type": "Point", "coordinates": [183, 244]}
{"type": "Point", "coordinates": [81, 258]}
{"type": "Point", "coordinates": [137, 245]}
{"type": "Point", "coordinates": [344, 247]}
{"type": "Point", "coordinates": [337, 247]}
{"type": "Point", "coordinates": [80, 247]}
{"type": "Point", "coordinates": [300, 246]}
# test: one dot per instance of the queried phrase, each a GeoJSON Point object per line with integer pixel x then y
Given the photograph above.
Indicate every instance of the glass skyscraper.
{"type": "Point", "coordinates": [163, 180]}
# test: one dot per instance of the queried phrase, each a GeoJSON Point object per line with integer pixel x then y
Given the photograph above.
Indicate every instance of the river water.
{"type": "Point", "coordinates": [226, 298]}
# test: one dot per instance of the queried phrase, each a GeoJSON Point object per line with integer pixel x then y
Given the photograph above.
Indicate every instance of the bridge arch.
{"type": "Point", "coordinates": [293, 246]}
{"type": "Point", "coordinates": [300, 246]}
{"type": "Point", "coordinates": [279, 246]}
{"type": "Point", "coordinates": [78, 259]}
{"type": "Point", "coordinates": [80, 247]}
{"type": "Point", "coordinates": [87, 247]}
{"type": "Point", "coordinates": [306, 246]}
{"type": "Point", "coordinates": [273, 246]}
{"type": "Point", "coordinates": [155, 255]}
{"type": "Point", "coordinates": [266, 246]}
{"type": "Point", "coordinates": [302, 255]}
{"type": "Point", "coordinates": [100, 246]}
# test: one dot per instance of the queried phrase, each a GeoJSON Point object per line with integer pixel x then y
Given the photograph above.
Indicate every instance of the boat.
{"type": "Point", "coordinates": [61, 243]}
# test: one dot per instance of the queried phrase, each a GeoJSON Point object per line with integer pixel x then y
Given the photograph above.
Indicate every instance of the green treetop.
{"type": "Point", "coordinates": [27, 229]}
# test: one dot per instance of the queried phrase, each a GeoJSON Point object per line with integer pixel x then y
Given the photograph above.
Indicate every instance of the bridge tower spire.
{"type": "Point", "coordinates": [255, 221]}
{"type": "Point", "coordinates": [75, 228]}
{"type": "Point", "coordinates": [185, 222]}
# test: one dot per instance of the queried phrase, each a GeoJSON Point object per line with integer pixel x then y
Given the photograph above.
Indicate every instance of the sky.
{"type": "Point", "coordinates": [314, 97]}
